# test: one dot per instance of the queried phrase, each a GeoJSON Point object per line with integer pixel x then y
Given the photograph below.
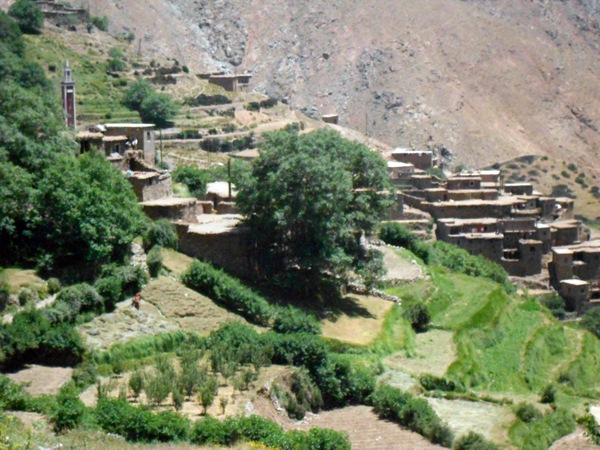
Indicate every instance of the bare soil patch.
{"type": "Point", "coordinates": [124, 324]}
{"type": "Point", "coordinates": [574, 441]}
{"type": "Point", "coordinates": [399, 267]}
{"type": "Point", "coordinates": [490, 420]}
{"type": "Point", "coordinates": [42, 379]}
{"type": "Point", "coordinates": [434, 353]}
{"type": "Point", "coordinates": [366, 430]}
{"type": "Point", "coordinates": [189, 309]}
{"type": "Point", "coordinates": [359, 321]}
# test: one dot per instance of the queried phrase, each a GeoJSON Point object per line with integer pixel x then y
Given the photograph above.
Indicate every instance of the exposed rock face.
{"type": "Point", "coordinates": [486, 79]}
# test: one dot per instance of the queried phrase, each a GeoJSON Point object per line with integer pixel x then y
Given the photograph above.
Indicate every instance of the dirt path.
{"type": "Point", "coordinates": [574, 441]}
{"type": "Point", "coordinates": [399, 268]}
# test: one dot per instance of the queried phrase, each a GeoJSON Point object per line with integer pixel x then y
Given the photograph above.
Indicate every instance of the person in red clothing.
{"type": "Point", "coordinates": [136, 301]}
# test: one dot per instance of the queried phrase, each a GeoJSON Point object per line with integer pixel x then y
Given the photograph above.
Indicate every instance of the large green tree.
{"type": "Point", "coordinates": [28, 15]}
{"type": "Point", "coordinates": [310, 199]}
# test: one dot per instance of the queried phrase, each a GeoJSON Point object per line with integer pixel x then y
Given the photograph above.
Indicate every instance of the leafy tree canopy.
{"type": "Point", "coordinates": [153, 107]}
{"type": "Point", "coordinates": [28, 15]}
{"type": "Point", "coordinates": [309, 199]}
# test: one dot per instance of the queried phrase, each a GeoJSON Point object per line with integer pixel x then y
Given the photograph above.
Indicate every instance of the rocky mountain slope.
{"type": "Point", "coordinates": [487, 79]}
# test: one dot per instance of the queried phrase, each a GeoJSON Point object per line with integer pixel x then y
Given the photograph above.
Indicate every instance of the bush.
{"type": "Point", "coordinates": [69, 410]}
{"type": "Point", "coordinates": [307, 395]}
{"type": "Point", "coordinates": [527, 412]}
{"type": "Point", "coordinates": [415, 414]}
{"type": "Point", "coordinates": [293, 320]}
{"type": "Point", "coordinates": [139, 424]}
{"type": "Point", "coordinates": [556, 304]}
{"type": "Point", "coordinates": [228, 291]}
{"type": "Point", "coordinates": [195, 179]}
{"type": "Point", "coordinates": [252, 106]}
{"type": "Point", "coordinates": [110, 289]}
{"type": "Point", "coordinates": [417, 314]}
{"type": "Point", "coordinates": [154, 261]}
{"type": "Point", "coordinates": [207, 100]}
{"type": "Point", "coordinates": [474, 441]}
{"type": "Point", "coordinates": [160, 232]}
{"type": "Point", "coordinates": [400, 236]}
{"type": "Point", "coordinates": [100, 22]}
{"type": "Point", "coordinates": [591, 321]}
{"type": "Point", "coordinates": [116, 65]}
{"type": "Point", "coordinates": [211, 431]}
{"type": "Point", "coordinates": [131, 278]}
{"type": "Point", "coordinates": [27, 295]}
{"type": "Point", "coordinates": [72, 301]}
{"type": "Point", "coordinates": [158, 109]}
{"type": "Point", "coordinates": [53, 285]}
{"type": "Point", "coordinates": [548, 394]}
{"type": "Point", "coordinates": [28, 15]}
{"type": "Point", "coordinates": [433, 383]}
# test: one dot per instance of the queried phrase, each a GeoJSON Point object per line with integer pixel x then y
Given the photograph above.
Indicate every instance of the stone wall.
{"type": "Point", "coordinates": [151, 185]}
{"type": "Point", "coordinates": [228, 249]}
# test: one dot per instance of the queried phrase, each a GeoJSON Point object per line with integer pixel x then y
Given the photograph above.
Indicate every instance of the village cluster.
{"type": "Point", "coordinates": [529, 234]}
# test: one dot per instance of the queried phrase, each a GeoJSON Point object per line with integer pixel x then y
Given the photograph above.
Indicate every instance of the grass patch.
{"type": "Point", "coordinates": [18, 278]}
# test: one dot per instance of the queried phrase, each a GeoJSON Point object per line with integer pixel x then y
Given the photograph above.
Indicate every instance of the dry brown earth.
{"type": "Point", "coordinates": [41, 379]}
{"type": "Point", "coordinates": [489, 80]}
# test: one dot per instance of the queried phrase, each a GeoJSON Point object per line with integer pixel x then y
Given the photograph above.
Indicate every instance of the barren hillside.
{"type": "Point", "coordinates": [489, 80]}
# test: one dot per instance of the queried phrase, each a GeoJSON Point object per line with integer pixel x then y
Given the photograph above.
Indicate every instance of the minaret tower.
{"type": "Point", "coordinates": [68, 97]}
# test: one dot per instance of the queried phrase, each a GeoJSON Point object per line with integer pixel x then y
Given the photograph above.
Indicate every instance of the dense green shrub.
{"type": "Point", "coordinates": [160, 232]}
{"type": "Point", "coordinates": [154, 261]}
{"type": "Point", "coordinates": [268, 103]}
{"type": "Point", "coordinates": [100, 22]}
{"type": "Point", "coordinates": [433, 383]}
{"type": "Point", "coordinates": [555, 303]}
{"type": "Point", "coordinates": [548, 394]}
{"type": "Point", "coordinates": [53, 285]}
{"type": "Point", "coordinates": [69, 410]}
{"type": "Point", "coordinates": [293, 320]}
{"type": "Point", "coordinates": [474, 441]}
{"type": "Point", "coordinates": [527, 412]}
{"type": "Point", "coordinates": [252, 106]}
{"type": "Point", "coordinates": [305, 395]}
{"type": "Point", "coordinates": [417, 314]}
{"type": "Point", "coordinates": [131, 278]}
{"type": "Point", "coordinates": [139, 424]}
{"type": "Point", "coordinates": [207, 100]}
{"type": "Point", "coordinates": [28, 15]}
{"type": "Point", "coordinates": [591, 321]}
{"type": "Point", "coordinates": [415, 414]}
{"type": "Point", "coordinates": [116, 65]}
{"type": "Point", "coordinates": [31, 337]}
{"type": "Point", "coordinates": [228, 291]}
{"type": "Point", "coordinates": [12, 396]}
{"type": "Point", "coordinates": [400, 236]}
{"type": "Point", "coordinates": [195, 179]}
{"type": "Point", "coordinates": [158, 109]}
{"type": "Point", "coordinates": [27, 295]}
{"type": "Point", "coordinates": [110, 289]}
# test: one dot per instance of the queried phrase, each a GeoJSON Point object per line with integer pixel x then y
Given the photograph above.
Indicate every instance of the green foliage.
{"type": "Point", "coordinates": [293, 320]}
{"type": "Point", "coordinates": [548, 394]}
{"type": "Point", "coordinates": [116, 65]}
{"type": "Point", "coordinates": [555, 303]}
{"type": "Point", "coordinates": [591, 426]}
{"type": "Point", "coordinates": [433, 383]}
{"type": "Point", "coordinates": [228, 291]}
{"type": "Point", "coordinates": [591, 321]}
{"type": "Point", "coordinates": [158, 109]}
{"type": "Point", "coordinates": [53, 285]}
{"type": "Point", "coordinates": [137, 93]}
{"type": "Point", "coordinates": [80, 201]}
{"type": "Point", "coordinates": [207, 100]}
{"type": "Point", "coordinates": [540, 434]}
{"type": "Point", "coordinates": [69, 410]}
{"type": "Point", "coordinates": [131, 278]}
{"type": "Point", "coordinates": [417, 314]}
{"type": "Point", "coordinates": [27, 295]}
{"type": "Point", "coordinates": [32, 337]}
{"type": "Point", "coordinates": [413, 413]}
{"type": "Point", "coordinates": [139, 424]}
{"type": "Point", "coordinates": [195, 179]}
{"type": "Point", "coordinates": [12, 396]}
{"type": "Point", "coordinates": [260, 430]}
{"type": "Point", "coordinates": [11, 35]}
{"type": "Point", "coordinates": [308, 199]}
{"type": "Point", "coordinates": [100, 22]}
{"type": "Point", "coordinates": [28, 15]}
{"type": "Point", "coordinates": [160, 233]}
{"type": "Point", "coordinates": [474, 441]}
{"type": "Point", "coordinates": [527, 413]}
{"type": "Point", "coordinates": [207, 391]}
{"type": "Point", "coordinates": [400, 236]}
{"type": "Point", "coordinates": [154, 261]}
{"type": "Point", "coordinates": [137, 382]}
{"type": "Point", "coordinates": [307, 395]}
{"type": "Point", "coordinates": [74, 300]}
